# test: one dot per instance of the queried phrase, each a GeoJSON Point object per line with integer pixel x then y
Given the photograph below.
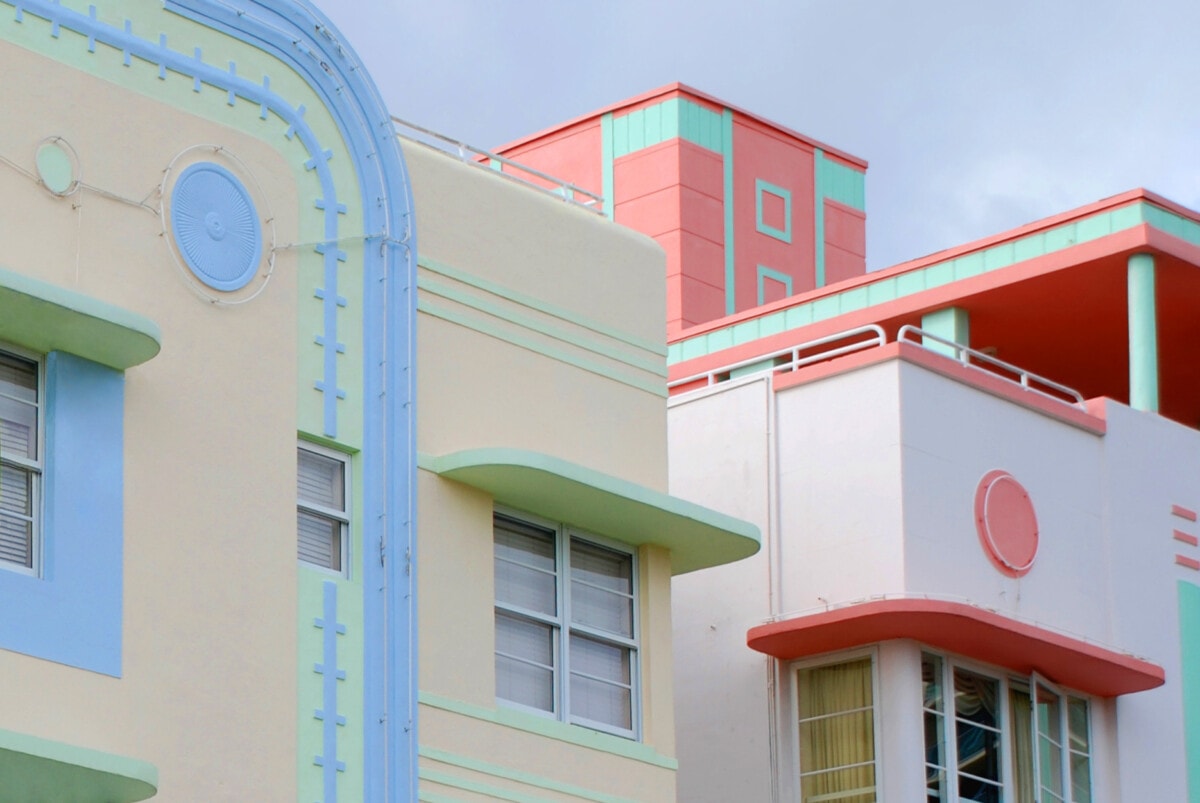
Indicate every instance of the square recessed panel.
{"type": "Point", "coordinates": [772, 285]}
{"type": "Point", "coordinates": [767, 202]}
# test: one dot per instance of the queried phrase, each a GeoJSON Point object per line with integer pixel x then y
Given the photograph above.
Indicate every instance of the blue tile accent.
{"type": "Point", "coordinates": [72, 613]}
{"type": "Point", "coordinates": [328, 714]}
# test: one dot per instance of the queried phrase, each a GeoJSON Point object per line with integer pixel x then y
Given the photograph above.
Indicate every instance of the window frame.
{"type": "Point", "coordinates": [832, 659]}
{"type": "Point", "coordinates": [1006, 682]}
{"type": "Point", "coordinates": [342, 517]}
{"type": "Point", "coordinates": [563, 627]}
{"type": "Point", "coordinates": [37, 467]}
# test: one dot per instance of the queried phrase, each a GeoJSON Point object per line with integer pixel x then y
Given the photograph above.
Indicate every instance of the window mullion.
{"type": "Point", "coordinates": [562, 551]}
{"type": "Point", "coordinates": [950, 729]}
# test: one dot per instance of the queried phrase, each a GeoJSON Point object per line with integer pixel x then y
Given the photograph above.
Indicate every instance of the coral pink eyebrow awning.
{"type": "Point", "coordinates": [966, 630]}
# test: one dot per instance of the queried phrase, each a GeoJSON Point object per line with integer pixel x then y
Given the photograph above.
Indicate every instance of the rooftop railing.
{"type": "Point", "coordinates": [862, 338]}
{"type": "Point", "coordinates": [510, 169]}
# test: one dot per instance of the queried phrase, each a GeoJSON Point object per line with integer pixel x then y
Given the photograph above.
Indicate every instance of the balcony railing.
{"type": "Point", "coordinates": [872, 336]}
{"type": "Point", "coordinates": [510, 169]}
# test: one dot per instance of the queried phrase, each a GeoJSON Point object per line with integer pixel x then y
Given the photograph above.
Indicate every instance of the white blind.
{"type": "Point", "coordinates": [321, 514]}
{"type": "Point", "coordinates": [16, 515]}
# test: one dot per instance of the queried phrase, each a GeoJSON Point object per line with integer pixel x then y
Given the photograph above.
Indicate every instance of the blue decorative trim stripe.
{"type": "Point", "coordinates": [235, 86]}
{"type": "Point", "coordinates": [295, 32]}
{"type": "Point", "coordinates": [330, 675]}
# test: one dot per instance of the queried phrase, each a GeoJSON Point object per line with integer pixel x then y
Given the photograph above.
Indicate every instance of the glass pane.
{"type": "Point", "coordinates": [1081, 779]}
{"type": "Point", "coordinates": [837, 741]}
{"type": "Point", "coordinates": [851, 785]}
{"type": "Point", "coordinates": [18, 429]}
{"type": "Point", "coordinates": [1021, 738]}
{"type": "Point", "coordinates": [607, 661]}
{"type": "Point", "coordinates": [321, 480]}
{"type": "Point", "coordinates": [524, 543]}
{"type": "Point", "coordinates": [975, 698]}
{"type": "Point", "coordinates": [972, 789]}
{"type": "Point", "coordinates": [1077, 719]}
{"type": "Point", "coordinates": [525, 639]}
{"type": "Point", "coordinates": [1050, 761]}
{"type": "Point", "coordinates": [935, 786]}
{"type": "Point", "coordinates": [526, 588]}
{"type": "Point", "coordinates": [601, 567]}
{"type": "Point", "coordinates": [601, 702]}
{"type": "Point", "coordinates": [319, 540]}
{"type": "Point", "coordinates": [601, 609]}
{"type": "Point", "coordinates": [831, 689]}
{"type": "Point", "coordinates": [931, 681]}
{"type": "Point", "coordinates": [525, 684]}
{"type": "Point", "coordinates": [935, 742]}
{"type": "Point", "coordinates": [18, 378]}
{"type": "Point", "coordinates": [1049, 714]}
{"type": "Point", "coordinates": [16, 540]}
{"type": "Point", "coordinates": [978, 751]}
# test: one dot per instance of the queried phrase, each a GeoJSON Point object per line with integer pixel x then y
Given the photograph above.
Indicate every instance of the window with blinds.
{"type": "Point", "coordinates": [20, 460]}
{"type": "Point", "coordinates": [566, 625]}
{"type": "Point", "coordinates": [322, 517]}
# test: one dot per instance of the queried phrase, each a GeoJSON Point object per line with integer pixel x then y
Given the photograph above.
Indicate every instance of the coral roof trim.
{"type": "Point", "coordinates": [677, 89]}
{"type": "Point", "coordinates": [966, 630]}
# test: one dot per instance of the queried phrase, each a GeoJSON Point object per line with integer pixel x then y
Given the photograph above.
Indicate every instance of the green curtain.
{"type": "Point", "coordinates": [837, 733]}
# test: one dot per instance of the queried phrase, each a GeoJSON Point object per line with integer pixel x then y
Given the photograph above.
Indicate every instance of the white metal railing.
{"type": "Point", "coordinates": [522, 174]}
{"type": "Point", "coordinates": [998, 368]}
{"type": "Point", "coordinates": [872, 336]}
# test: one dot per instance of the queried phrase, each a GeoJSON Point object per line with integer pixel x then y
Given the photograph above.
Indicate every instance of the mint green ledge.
{"type": "Point", "coordinates": [44, 317]}
{"type": "Point", "coordinates": [557, 489]}
{"type": "Point", "coordinates": [40, 769]}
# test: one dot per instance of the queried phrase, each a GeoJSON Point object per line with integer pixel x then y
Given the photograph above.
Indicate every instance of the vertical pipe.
{"type": "Point", "coordinates": [1143, 335]}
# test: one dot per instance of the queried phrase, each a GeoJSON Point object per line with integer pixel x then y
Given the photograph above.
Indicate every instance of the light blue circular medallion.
{"type": "Point", "coordinates": [216, 226]}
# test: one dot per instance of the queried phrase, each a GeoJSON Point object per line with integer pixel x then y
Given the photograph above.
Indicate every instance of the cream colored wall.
{"type": "Point", "coordinates": [507, 358]}
{"type": "Point", "coordinates": [209, 584]}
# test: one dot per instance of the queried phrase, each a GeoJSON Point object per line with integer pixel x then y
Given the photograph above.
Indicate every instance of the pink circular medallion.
{"type": "Point", "coordinates": [1006, 522]}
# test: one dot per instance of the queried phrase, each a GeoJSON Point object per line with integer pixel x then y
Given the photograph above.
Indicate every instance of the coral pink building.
{"type": "Point", "coordinates": [748, 212]}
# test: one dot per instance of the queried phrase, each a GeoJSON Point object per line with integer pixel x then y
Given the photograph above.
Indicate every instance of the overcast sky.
{"type": "Point", "coordinates": [975, 115]}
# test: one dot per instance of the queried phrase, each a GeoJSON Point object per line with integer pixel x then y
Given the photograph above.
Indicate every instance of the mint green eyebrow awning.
{"type": "Point", "coordinates": [45, 317]}
{"type": "Point", "coordinates": [40, 769]}
{"type": "Point", "coordinates": [696, 536]}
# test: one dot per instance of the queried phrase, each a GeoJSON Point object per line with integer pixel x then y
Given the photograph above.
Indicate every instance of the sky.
{"type": "Point", "coordinates": [975, 116]}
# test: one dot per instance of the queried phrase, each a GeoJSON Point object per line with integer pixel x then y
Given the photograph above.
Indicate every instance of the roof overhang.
{"type": "Point", "coordinates": [45, 318]}
{"type": "Point", "coordinates": [40, 769]}
{"type": "Point", "coordinates": [696, 536]}
{"type": "Point", "coordinates": [964, 629]}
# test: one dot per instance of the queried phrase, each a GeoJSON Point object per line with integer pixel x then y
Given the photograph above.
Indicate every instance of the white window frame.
{"type": "Point", "coordinates": [36, 467]}
{"type": "Point", "coordinates": [332, 514]}
{"type": "Point", "coordinates": [563, 627]}
{"type": "Point", "coordinates": [1005, 682]}
{"type": "Point", "coordinates": [832, 659]}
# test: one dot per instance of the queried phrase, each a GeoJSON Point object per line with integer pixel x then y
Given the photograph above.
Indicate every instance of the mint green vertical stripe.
{"type": "Point", "coordinates": [727, 159]}
{"type": "Point", "coordinates": [1189, 649]}
{"type": "Point", "coordinates": [819, 217]}
{"type": "Point", "coordinates": [606, 162]}
{"type": "Point", "coordinates": [1143, 335]}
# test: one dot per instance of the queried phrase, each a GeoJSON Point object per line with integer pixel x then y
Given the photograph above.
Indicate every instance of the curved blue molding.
{"type": "Point", "coordinates": [303, 38]}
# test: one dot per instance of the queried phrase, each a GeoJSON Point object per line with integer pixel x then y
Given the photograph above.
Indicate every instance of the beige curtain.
{"type": "Point", "coordinates": [1022, 744]}
{"type": "Point", "coordinates": [837, 733]}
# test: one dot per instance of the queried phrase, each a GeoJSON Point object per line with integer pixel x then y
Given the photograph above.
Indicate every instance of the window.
{"type": "Point", "coordinates": [322, 520]}
{"type": "Point", "coordinates": [20, 460]}
{"type": "Point", "coordinates": [566, 625]}
{"type": "Point", "coordinates": [1002, 737]}
{"type": "Point", "coordinates": [837, 732]}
